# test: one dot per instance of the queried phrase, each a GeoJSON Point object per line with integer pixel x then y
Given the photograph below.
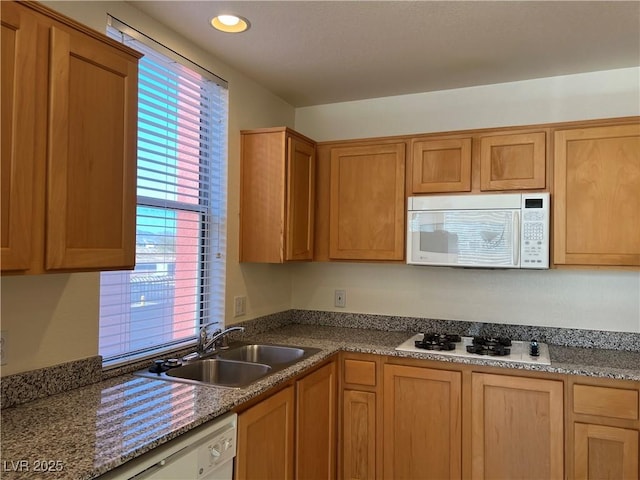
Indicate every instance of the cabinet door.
{"type": "Point", "coordinates": [596, 196]}
{"type": "Point", "coordinates": [316, 424]}
{"type": "Point", "coordinates": [422, 423]}
{"type": "Point", "coordinates": [18, 77]}
{"type": "Point", "coordinates": [367, 203]}
{"type": "Point", "coordinates": [517, 428]}
{"type": "Point", "coordinates": [441, 165]}
{"type": "Point", "coordinates": [91, 197]}
{"type": "Point", "coordinates": [605, 452]}
{"type": "Point", "coordinates": [359, 435]}
{"type": "Point", "coordinates": [513, 162]}
{"type": "Point", "coordinates": [265, 439]}
{"type": "Point", "coordinates": [300, 199]}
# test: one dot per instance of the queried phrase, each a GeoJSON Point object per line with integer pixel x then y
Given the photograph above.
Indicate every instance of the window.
{"type": "Point", "coordinates": [178, 282]}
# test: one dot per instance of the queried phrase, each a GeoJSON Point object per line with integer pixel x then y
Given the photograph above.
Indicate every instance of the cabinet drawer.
{"type": "Point", "coordinates": [605, 402]}
{"type": "Point", "coordinates": [360, 372]}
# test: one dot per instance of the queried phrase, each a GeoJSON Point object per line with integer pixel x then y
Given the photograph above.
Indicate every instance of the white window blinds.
{"type": "Point", "coordinates": [178, 282]}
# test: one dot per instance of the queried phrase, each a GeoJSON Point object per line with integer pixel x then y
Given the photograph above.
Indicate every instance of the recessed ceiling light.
{"type": "Point", "coordinates": [230, 23]}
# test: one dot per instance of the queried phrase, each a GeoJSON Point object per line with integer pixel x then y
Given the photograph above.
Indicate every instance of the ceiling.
{"type": "Point", "coordinates": [318, 52]}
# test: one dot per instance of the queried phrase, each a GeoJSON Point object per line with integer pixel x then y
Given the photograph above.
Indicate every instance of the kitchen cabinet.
{"type": "Point", "coordinates": [277, 196]}
{"type": "Point", "coordinates": [422, 423]}
{"type": "Point", "coordinates": [603, 429]}
{"type": "Point", "coordinates": [440, 165]}
{"type": "Point", "coordinates": [361, 204]}
{"type": "Point", "coordinates": [478, 161]}
{"type": "Point", "coordinates": [69, 182]}
{"type": "Point", "coordinates": [18, 77]}
{"type": "Point", "coordinates": [292, 433]}
{"type": "Point", "coordinates": [266, 438]}
{"type": "Point", "coordinates": [316, 407]}
{"type": "Point", "coordinates": [514, 161]}
{"type": "Point", "coordinates": [516, 427]}
{"type": "Point", "coordinates": [596, 195]}
{"type": "Point", "coordinates": [361, 429]}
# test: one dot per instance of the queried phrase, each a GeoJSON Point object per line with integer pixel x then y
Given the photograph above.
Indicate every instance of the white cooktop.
{"type": "Point", "coordinates": [519, 351]}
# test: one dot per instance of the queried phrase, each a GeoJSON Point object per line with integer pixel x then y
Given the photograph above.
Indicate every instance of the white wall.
{"type": "Point", "coordinates": [52, 319]}
{"type": "Point", "coordinates": [598, 299]}
{"type": "Point", "coordinates": [613, 93]}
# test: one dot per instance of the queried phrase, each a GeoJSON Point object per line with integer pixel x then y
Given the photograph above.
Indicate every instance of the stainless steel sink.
{"type": "Point", "coordinates": [220, 372]}
{"type": "Point", "coordinates": [259, 353]}
{"type": "Point", "coordinates": [237, 367]}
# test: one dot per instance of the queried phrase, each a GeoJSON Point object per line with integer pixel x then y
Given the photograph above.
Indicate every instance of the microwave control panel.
{"type": "Point", "coordinates": [534, 240]}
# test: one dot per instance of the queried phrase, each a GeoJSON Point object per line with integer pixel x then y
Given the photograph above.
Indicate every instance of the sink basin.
{"type": "Point", "coordinates": [269, 354]}
{"type": "Point", "coordinates": [223, 373]}
{"type": "Point", "coordinates": [237, 367]}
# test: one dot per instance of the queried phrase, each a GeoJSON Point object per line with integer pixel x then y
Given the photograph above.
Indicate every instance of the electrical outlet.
{"type": "Point", "coordinates": [340, 298]}
{"type": "Point", "coordinates": [3, 347]}
{"type": "Point", "coordinates": [239, 306]}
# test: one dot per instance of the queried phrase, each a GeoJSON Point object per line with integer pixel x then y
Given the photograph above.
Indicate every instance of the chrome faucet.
{"type": "Point", "coordinates": [217, 340]}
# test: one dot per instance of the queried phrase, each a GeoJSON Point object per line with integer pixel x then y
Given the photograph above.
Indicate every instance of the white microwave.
{"type": "Point", "coordinates": [479, 231]}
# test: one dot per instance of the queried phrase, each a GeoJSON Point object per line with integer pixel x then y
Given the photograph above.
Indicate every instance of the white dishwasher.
{"type": "Point", "coordinates": [205, 453]}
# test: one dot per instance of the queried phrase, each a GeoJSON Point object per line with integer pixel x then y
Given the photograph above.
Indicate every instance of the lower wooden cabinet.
{"type": "Point", "coordinates": [422, 423]}
{"type": "Point", "coordinates": [516, 427]}
{"type": "Point", "coordinates": [605, 452]}
{"type": "Point", "coordinates": [316, 404]}
{"type": "Point", "coordinates": [266, 439]}
{"type": "Point", "coordinates": [359, 435]}
{"type": "Point", "coordinates": [604, 429]}
{"type": "Point", "coordinates": [292, 433]}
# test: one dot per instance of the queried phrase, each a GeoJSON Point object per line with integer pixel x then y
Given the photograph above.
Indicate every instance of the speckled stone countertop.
{"type": "Point", "coordinates": [93, 429]}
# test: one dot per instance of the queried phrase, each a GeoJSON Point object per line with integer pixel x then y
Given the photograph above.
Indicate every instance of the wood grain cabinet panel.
{"type": "Point", "coordinates": [277, 196]}
{"type": "Point", "coordinates": [422, 423]}
{"type": "Point", "coordinates": [266, 439]}
{"type": "Point", "coordinates": [367, 202]}
{"type": "Point", "coordinates": [596, 196]}
{"type": "Point", "coordinates": [91, 194]}
{"type": "Point", "coordinates": [517, 428]}
{"type": "Point", "coordinates": [69, 118]}
{"type": "Point", "coordinates": [18, 85]}
{"type": "Point", "coordinates": [316, 404]}
{"type": "Point", "coordinates": [603, 452]}
{"type": "Point", "coordinates": [513, 162]}
{"type": "Point", "coordinates": [605, 401]}
{"type": "Point", "coordinates": [359, 431]}
{"type": "Point", "coordinates": [440, 165]}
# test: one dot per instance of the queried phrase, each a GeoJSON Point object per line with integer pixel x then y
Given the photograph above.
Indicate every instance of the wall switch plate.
{"type": "Point", "coordinates": [239, 306]}
{"type": "Point", "coordinates": [3, 347]}
{"type": "Point", "coordinates": [340, 299]}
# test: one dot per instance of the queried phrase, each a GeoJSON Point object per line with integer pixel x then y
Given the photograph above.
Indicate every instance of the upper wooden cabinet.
{"type": "Point", "coordinates": [277, 185]}
{"type": "Point", "coordinates": [477, 161]}
{"type": "Point", "coordinates": [69, 129]}
{"type": "Point", "coordinates": [513, 161]}
{"type": "Point", "coordinates": [440, 165]}
{"type": "Point", "coordinates": [596, 196]}
{"type": "Point", "coordinates": [363, 200]}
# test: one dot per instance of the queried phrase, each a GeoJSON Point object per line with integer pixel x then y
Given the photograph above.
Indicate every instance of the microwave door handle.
{"type": "Point", "coordinates": [516, 238]}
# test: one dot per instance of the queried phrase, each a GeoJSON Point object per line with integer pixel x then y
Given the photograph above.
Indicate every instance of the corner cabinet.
{"type": "Point", "coordinates": [68, 181]}
{"type": "Point", "coordinates": [292, 433]}
{"type": "Point", "coordinates": [277, 196]}
{"type": "Point", "coordinates": [596, 196]}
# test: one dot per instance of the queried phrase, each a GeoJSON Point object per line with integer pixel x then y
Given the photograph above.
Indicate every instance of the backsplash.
{"type": "Point", "coordinates": [25, 387]}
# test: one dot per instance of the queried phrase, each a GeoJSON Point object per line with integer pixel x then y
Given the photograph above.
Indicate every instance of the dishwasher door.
{"type": "Point", "coordinates": [205, 453]}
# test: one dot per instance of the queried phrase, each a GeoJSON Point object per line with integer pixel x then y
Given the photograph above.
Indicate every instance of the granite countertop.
{"type": "Point", "coordinates": [88, 431]}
